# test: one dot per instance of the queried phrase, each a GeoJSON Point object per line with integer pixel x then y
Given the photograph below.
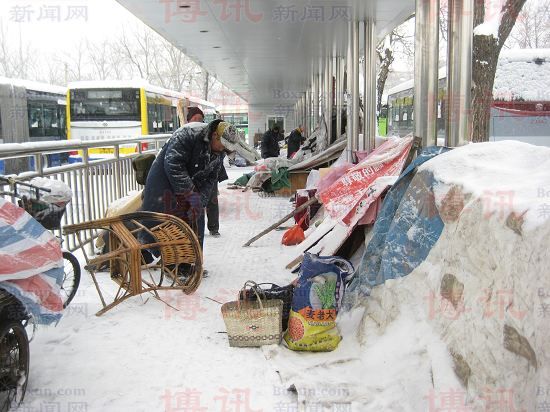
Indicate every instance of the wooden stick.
{"type": "Point", "coordinates": [311, 201]}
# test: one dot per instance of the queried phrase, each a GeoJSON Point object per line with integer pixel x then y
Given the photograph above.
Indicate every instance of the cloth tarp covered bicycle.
{"type": "Point", "coordinates": [31, 263]}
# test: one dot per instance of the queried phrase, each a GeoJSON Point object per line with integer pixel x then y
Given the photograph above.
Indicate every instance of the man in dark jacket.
{"type": "Point", "coordinates": [195, 114]}
{"type": "Point", "coordinates": [186, 170]}
{"type": "Point", "coordinates": [295, 140]}
{"type": "Point", "coordinates": [270, 143]}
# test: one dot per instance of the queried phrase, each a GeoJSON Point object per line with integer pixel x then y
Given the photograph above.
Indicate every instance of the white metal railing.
{"type": "Point", "coordinates": [95, 183]}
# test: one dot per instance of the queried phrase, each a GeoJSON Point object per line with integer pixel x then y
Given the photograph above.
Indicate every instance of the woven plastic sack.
{"type": "Point", "coordinates": [315, 304]}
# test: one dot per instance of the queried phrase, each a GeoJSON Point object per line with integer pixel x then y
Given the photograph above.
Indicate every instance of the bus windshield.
{"type": "Point", "coordinates": [105, 104]}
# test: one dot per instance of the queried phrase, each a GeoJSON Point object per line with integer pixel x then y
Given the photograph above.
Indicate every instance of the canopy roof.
{"type": "Point", "coordinates": [264, 50]}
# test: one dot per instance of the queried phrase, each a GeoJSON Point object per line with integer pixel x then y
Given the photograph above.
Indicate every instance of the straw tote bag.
{"type": "Point", "coordinates": [253, 323]}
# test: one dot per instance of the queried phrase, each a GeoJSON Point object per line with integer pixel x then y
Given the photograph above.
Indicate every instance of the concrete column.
{"type": "Point", "coordinates": [459, 72]}
{"type": "Point", "coordinates": [426, 57]}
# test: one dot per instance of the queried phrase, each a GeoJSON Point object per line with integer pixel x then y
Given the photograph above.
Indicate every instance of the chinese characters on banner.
{"type": "Point", "coordinates": [348, 198]}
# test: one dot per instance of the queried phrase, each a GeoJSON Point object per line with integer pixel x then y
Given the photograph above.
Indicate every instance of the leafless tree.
{"type": "Point", "coordinates": [138, 48]}
{"type": "Point", "coordinates": [101, 58]}
{"type": "Point", "coordinates": [5, 53]}
{"type": "Point", "coordinates": [74, 63]}
{"type": "Point", "coordinates": [485, 58]}
{"type": "Point", "coordinates": [19, 62]}
{"type": "Point", "coordinates": [532, 28]}
{"type": "Point", "coordinates": [397, 42]}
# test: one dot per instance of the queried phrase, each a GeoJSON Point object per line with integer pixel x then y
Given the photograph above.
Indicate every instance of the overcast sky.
{"type": "Point", "coordinates": [54, 25]}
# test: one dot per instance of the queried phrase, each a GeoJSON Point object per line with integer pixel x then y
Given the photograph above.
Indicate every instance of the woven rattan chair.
{"type": "Point", "coordinates": [171, 239]}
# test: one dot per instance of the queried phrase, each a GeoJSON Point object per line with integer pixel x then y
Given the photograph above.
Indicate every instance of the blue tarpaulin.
{"type": "Point", "coordinates": [406, 229]}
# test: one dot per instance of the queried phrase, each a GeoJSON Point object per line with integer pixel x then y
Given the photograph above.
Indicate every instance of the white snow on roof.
{"type": "Point", "coordinates": [138, 83]}
{"type": "Point", "coordinates": [521, 74]}
{"type": "Point", "coordinates": [410, 83]}
{"type": "Point", "coordinates": [36, 86]}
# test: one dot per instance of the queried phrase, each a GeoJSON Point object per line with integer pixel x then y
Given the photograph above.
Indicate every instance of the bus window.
{"type": "Point", "coordinates": [175, 123]}
{"type": "Point", "coordinates": [166, 119]}
{"type": "Point", "coordinates": [35, 120]}
{"type": "Point", "coordinates": [102, 105]}
{"type": "Point", "coordinates": [62, 127]}
{"type": "Point", "coordinates": [51, 122]}
{"type": "Point", "coordinates": [152, 117]}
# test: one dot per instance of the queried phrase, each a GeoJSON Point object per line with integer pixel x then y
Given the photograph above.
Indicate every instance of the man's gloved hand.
{"type": "Point", "coordinates": [209, 173]}
{"type": "Point", "coordinates": [188, 205]}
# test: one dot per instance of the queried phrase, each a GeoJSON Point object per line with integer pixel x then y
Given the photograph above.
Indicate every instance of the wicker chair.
{"type": "Point", "coordinates": [129, 235]}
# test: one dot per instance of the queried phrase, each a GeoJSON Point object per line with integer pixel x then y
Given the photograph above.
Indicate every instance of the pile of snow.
{"type": "Point", "coordinates": [484, 288]}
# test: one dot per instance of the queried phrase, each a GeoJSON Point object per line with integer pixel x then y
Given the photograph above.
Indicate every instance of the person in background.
{"type": "Point", "coordinates": [186, 170]}
{"type": "Point", "coordinates": [295, 140]}
{"type": "Point", "coordinates": [270, 143]}
{"type": "Point", "coordinates": [195, 114]}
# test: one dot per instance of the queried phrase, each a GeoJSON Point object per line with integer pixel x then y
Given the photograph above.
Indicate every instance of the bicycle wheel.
{"type": "Point", "coordinates": [71, 278]}
{"type": "Point", "coordinates": [14, 364]}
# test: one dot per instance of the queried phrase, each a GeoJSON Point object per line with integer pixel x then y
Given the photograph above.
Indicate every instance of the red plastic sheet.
{"type": "Point", "coordinates": [349, 197]}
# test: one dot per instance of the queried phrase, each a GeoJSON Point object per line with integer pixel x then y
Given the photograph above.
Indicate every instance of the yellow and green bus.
{"type": "Point", "coordinates": [101, 110]}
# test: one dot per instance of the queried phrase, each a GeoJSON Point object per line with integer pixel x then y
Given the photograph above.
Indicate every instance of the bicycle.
{"type": "Point", "coordinates": [14, 351]}
{"type": "Point", "coordinates": [48, 215]}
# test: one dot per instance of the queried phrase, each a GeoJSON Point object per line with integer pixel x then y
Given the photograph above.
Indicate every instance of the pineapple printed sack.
{"type": "Point", "coordinates": [315, 303]}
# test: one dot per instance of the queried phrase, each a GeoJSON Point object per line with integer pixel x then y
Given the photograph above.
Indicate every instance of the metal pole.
{"type": "Point", "coordinates": [369, 89]}
{"type": "Point", "coordinates": [330, 62]}
{"type": "Point", "coordinates": [459, 72]}
{"type": "Point", "coordinates": [308, 112]}
{"type": "Point", "coordinates": [426, 71]}
{"type": "Point", "coordinates": [355, 86]}
{"type": "Point", "coordinates": [322, 90]}
{"type": "Point", "coordinates": [338, 91]}
{"type": "Point", "coordinates": [349, 90]}
{"type": "Point", "coordinates": [315, 103]}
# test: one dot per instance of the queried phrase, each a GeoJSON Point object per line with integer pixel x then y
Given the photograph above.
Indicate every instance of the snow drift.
{"type": "Point", "coordinates": [484, 287]}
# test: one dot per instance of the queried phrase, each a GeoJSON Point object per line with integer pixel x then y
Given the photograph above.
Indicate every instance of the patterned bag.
{"type": "Point", "coordinates": [315, 304]}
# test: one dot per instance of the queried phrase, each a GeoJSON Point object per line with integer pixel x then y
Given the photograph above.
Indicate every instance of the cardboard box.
{"type": "Point", "coordinates": [298, 180]}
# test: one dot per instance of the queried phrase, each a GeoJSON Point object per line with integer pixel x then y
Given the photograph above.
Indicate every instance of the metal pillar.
{"type": "Point", "coordinates": [355, 86]}
{"type": "Point", "coordinates": [328, 116]}
{"type": "Point", "coordinates": [369, 86]}
{"type": "Point", "coordinates": [338, 95]}
{"type": "Point", "coordinates": [426, 58]}
{"type": "Point", "coordinates": [322, 90]}
{"type": "Point", "coordinates": [354, 91]}
{"type": "Point", "coordinates": [315, 99]}
{"type": "Point", "coordinates": [305, 124]}
{"type": "Point", "coordinates": [459, 72]}
{"type": "Point", "coordinates": [307, 111]}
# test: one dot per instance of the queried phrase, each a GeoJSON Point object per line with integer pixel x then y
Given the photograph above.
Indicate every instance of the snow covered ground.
{"type": "Point", "coordinates": [145, 356]}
